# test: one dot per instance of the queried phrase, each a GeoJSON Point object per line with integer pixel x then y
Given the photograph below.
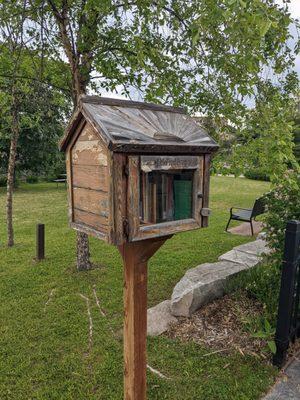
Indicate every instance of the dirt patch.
{"type": "Point", "coordinates": [222, 327]}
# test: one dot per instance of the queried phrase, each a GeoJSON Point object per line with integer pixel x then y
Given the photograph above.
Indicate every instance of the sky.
{"type": "Point", "coordinates": [294, 8]}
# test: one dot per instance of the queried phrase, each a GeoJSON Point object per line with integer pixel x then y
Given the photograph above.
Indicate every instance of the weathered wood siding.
{"type": "Point", "coordinates": [90, 181]}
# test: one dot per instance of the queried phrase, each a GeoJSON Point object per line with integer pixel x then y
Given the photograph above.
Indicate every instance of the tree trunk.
{"type": "Point", "coordinates": [82, 239]}
{"type": "Point", "coordinates": [78, 87]}
{"type": "Point", "coordinates": [11, 170]}
{"type": "Point", "coordinates": [83, 252]}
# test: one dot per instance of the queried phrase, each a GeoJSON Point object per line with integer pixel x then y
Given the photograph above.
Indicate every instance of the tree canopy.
{"type": "Point", "coordinates": [210, 55]}
{"type": "Point", "coordinates": [215, 57]}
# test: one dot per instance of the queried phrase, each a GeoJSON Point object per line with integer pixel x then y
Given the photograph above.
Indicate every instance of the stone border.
{"type": "Point", "coordinates": [203, 284]}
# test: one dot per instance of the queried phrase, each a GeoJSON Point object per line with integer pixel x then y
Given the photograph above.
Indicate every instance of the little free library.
{"type": "Point", "coordinates": [137, 174]}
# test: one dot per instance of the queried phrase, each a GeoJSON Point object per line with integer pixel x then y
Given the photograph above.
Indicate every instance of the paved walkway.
{"type": "Point", "coordinates": [288, 387]}
{"type": "Point", "coordinates": [244, 229]}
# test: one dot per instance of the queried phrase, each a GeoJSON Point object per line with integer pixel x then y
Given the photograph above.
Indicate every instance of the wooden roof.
{"type": "Point", "coordinates": [130, 126]}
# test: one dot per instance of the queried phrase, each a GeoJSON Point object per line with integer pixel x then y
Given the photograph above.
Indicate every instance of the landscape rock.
{"type": "Point", "coordinates": [258, 247]}
{"type": "Point", "coordinates": [262, 235]}
{"type": "Point", "coordinates": [159, 318]}
{"type": "Point", "coordinates": [206, 282]}
{"type": "Point", "coordinates": [240, 257]}
{"type": "Point", "coordinates": [201, 285]}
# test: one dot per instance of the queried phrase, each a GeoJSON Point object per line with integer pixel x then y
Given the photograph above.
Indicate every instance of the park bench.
{"type": "Point", "coordinates": [61, 179]}
{"type": "Point", "coordinates": [247, 214]}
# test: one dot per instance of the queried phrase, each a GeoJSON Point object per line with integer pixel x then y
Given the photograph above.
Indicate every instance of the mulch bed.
{"type": "Point", "coordinates": [220, 326]}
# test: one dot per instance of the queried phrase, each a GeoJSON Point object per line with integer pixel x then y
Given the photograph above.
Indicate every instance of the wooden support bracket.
{"type": "Point", "coordinates": [135, 258]}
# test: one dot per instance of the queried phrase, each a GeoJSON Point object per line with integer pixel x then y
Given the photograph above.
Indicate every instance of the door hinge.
{"type": "Point", "coordinates": [126, 227]}
{"type": "Point", "coordinates": [126, 170]}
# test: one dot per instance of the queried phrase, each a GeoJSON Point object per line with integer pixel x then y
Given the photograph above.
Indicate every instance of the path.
{"type": "Point", "coordinates": [288, 385]}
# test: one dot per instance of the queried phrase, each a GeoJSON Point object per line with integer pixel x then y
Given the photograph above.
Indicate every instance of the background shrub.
{"type": "Point", "coordinates": [283, 205]}
{"type": "Point", "coordinates": [257, 174]}
{"type": "Point", "coordinates": [262, 283]}
{"type": "Point", "coordinates": [3, 180]}
{"type": "Point", "coordinates": [32, 179]}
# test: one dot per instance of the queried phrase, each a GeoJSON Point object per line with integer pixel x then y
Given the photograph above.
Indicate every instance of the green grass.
{"type": "Point", "coordinates": [45, 352]}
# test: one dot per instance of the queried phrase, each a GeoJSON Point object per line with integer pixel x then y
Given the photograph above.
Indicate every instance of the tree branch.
{"type": "Point", "coordinates": [29, 78]}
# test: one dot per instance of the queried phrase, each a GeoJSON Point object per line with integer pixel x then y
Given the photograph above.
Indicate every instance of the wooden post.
{"type": "Point", "coordinates": [135, 257]}
{"type": "Point", "coordinates": [40, 241]}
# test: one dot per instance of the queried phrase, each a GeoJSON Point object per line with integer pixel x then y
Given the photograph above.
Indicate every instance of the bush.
{"type": "Point", "coordinates": [257, 174]}
{"type": "Point", "coordinates": [49, 178]}
{"type": "Point", "coordinates": [283, 205]}
{"type": "Point", "coordinates": [3, 180]}
{"type": "Point", "coordinates": [32, 179]}
{"type": "Point", "coordinates": [262, 283]}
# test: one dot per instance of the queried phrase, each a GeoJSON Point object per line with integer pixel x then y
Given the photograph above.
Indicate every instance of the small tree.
{"type": "Point", "coordinates": [43, 112]}
{"type": "Point", "coordinates": [12, 27]}
{"type": "Point", "coordinates": [206, 54]}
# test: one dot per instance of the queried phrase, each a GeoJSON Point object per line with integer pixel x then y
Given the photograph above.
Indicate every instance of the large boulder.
{"type": "Point", "coordinates": [206, 282]}
{"type": "Point", "coordinates": [160, 318]}
{"type": "Point", "coordinates": [257, 247]}
{"type": "Point", "coordinates": [201, 285]}
{"type": "Point", "coordinates": [247, 254]}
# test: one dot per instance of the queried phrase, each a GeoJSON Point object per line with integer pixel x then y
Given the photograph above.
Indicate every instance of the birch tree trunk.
{"type": "Point", "coordinates": [83, 252]}
{"type": "Point", "coordinates": [82, 239]}
{"type": "Point", "coordinates": [79, 84]}
{"type": "Point", "coordinates": [11, 169]}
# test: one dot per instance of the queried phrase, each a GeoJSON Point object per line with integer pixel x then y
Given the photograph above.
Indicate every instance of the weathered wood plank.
{"type": "Point", "coordinates": [120, 201]}
{"type": "Point", "coordinates": [151, 163]}
{"type": "Point", "coordinates": [91, 177]}
{"type": "Point", "coordinates": [130, 103]}
{"type": "Point", "coordinates": [110, 198]}
{"type": "Point", "coordinates": [133, 196]}
{"type": "Point", "coordinates": [165, 229]}
{"type": "Point", "coordinates": [135, 257]}
{"type": "Point", "coordinates": [89, 231]}
{"type": "Point", "coordinates": [88, 134]}
{"type": "Point", "coordinates": [69, 168]}
{"type": "Point", "coordinates": [206, 182]}
{"type": "Point", "coordinates": [91, 201]}
{"type": "Point", "coordinates": [162, 148]}
{"type": "Point", "coordinates": [198, 191]}
{"type": "Point", "coordinates": [89, 153]}
{"type": "Point", "coordinates": [89, 149]}
{"type": "Point", "coordinates": [153, 210]}
{"type": "Point", "coordinates": [94, 221]}
{"type": "Point", "coordinates": [135, 326]}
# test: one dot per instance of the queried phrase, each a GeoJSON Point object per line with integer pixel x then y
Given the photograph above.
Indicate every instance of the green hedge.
{"type": "Point", "coordinates": [257, 175]}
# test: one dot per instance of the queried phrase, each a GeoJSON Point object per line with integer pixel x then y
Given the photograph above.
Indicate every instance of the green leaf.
{"type": "Point", "coordinates": [272, 346]}
{"type": "Point", "coordinates": [259, 335]}
{"type": "Point", "coordinates": [264, 27]}
{"type": "Point", "coordinates": [195, 36]}
{"type": "Point", "coordinates": [267, 326]}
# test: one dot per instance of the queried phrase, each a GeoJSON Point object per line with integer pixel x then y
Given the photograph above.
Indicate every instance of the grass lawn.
{"type": "Point", "coordinates": [45, 351]}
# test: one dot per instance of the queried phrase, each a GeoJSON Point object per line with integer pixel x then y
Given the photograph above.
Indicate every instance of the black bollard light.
{"type": "Point", "coordinates": [40, 241]}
